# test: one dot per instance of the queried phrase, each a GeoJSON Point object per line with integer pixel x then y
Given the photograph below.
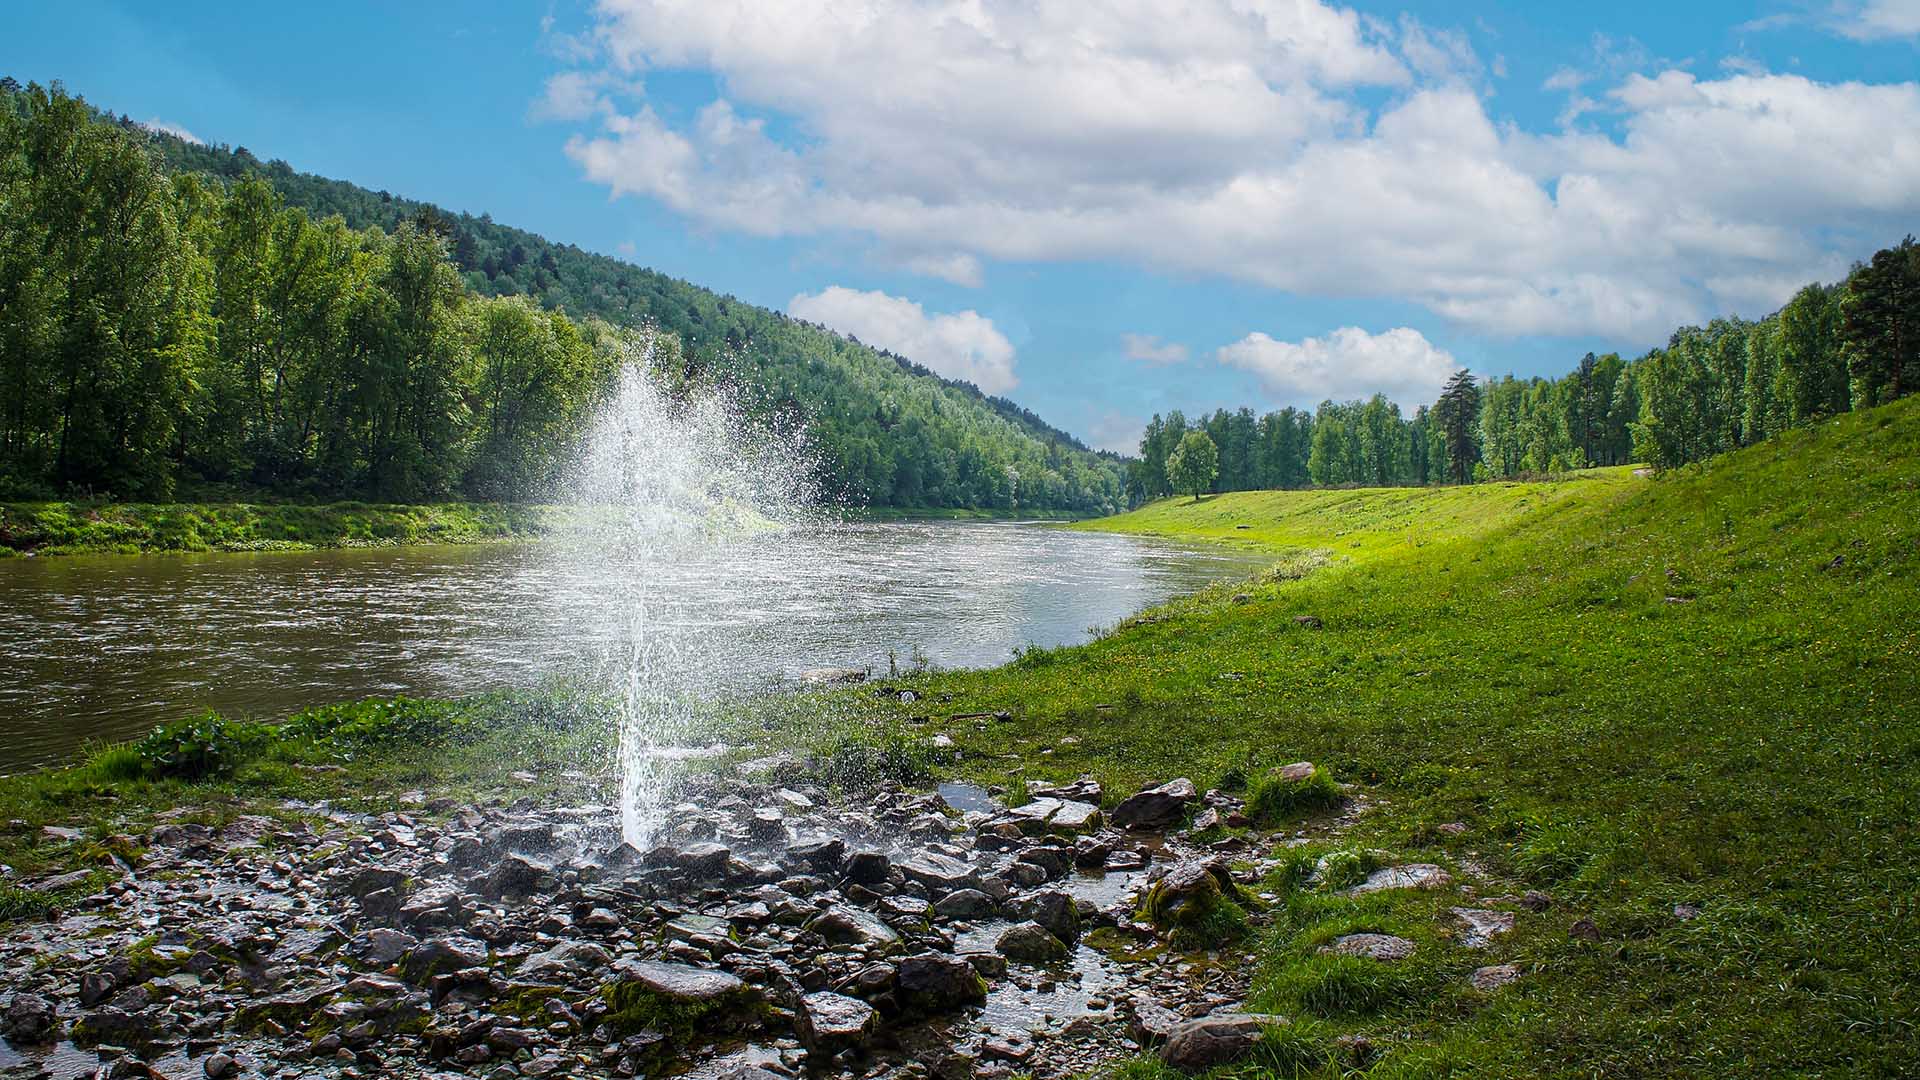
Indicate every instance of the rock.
{"type": "Point", "coordinates": [1308, 622]}
{"type": "Point", "coordinates": [1584, 930]}
{"type": "Point", "coordinates": [868, 867]}
{"type": "Point", "coordinates": [1053, 910]}
{"type": "Point", "coordinates": [941, 873]}
{"type": "Point", "coordinates": [566, 958]}
{"type": "Point", "coordinates": [821, 854]}
{"type": "Point", "coordinates": [512, 876]}
{"type": "Point", "coordinates": [933, 983]}
{"type": "Point", "coordinates": [1481, 926]}
{"type": "Point", "coordinates": [1156, 808]}
{"type": "Point", "coordinates": [851, 926]}
{"type": "Point", "coordinates": [706, 860]}
{"type": "Point", "coordinates": [965, 904]}
{"type": "Point", "coordinates": [828, 1023]}
{"type": "Point", "coordinates": [1031, 943]}
{"type": "Point", "coordinates": [115, 1027]}
{"type": "Point", "coordinates": [767, 825]}
{"type": "Point", "coordinates": [1008, 1047]}
{"type": "Point", "coordinates": [31, 1019]}
{"type": "Point", "coordinates": [1210, 1041]}
{"type": "Point", "coordinates": [1084, 790]}
{"type": "Point", "coordinates": [1686, 912]}
{"type": "Point", "coordinates": [1536, 901]}
{"type": "Point", "coordinates": [96, 987]}
{"type": "Point", "coordinates": [1373, 946]}
{"type": "Point", "coordinates": [680, 984]}
{"type": "Point", "coordinates": [1493, 977]}
{"type": "Point", "coordinates": [1410, 876]}
{"type": "Point", "coordinates": [1153, 1023]}
{"type": "Point", "coordinates": [444, 954]}
{"type": "Point", "coordinates": [220, 1066]}
{"type": "Point", "coordinates": [380, 946]}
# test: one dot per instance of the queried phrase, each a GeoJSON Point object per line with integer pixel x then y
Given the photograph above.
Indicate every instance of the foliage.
{"type": "Point", "coordinates": [195, 747]}
{"type": "Point", "coordinates": [306, 337]}
{"type": "Point", "coordinates": [60, 528]}
{"type": "Point", "coordinates": [1194, 464]}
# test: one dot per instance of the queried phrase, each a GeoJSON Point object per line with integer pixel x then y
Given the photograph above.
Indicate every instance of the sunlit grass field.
{"type": "Point", "coordinates": [1699, 688]}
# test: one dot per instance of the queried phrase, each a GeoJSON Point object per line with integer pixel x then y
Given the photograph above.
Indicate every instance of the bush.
{"type": "Point", "coordinates": [193, 748]}
{"type": "Point", "coordinates": [399, 720]}
{"type": "Point", "coordinates": [1284, 793]}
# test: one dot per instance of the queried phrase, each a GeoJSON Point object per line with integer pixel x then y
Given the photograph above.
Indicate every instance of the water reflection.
{"type": "Point", "coordinates": [107, 646]}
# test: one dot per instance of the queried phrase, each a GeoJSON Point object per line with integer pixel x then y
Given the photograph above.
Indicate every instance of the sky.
{"type": "Point", "coordinates": [1106, 209]}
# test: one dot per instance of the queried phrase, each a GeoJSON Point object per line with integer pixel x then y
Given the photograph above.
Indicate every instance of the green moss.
{"type": "Point", "coordinates": [634, 1007]}
{"type": "Point", "coordinates": [1205, 917]}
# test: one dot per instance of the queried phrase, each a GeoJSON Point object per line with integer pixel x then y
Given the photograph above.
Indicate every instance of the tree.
{"type": "Point", "coordinates": [1457, 416]}
{"type": "Point", "coordinates": [1880, 325]}
{"type": "Point", "coordinates": [1193, 464]}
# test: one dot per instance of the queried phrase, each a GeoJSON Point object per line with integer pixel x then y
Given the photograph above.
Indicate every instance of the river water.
{"type": "Point", "coordinates": [107, 646]}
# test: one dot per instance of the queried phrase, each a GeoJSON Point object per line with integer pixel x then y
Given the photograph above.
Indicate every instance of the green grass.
{"type": "Point", "coordinates": [62, 528]}
{"type": "Point", "coordinates": [1633, 692]}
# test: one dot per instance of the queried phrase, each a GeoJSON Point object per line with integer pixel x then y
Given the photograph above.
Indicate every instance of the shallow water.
{"type": "Point", "coordinates": [105, 647]}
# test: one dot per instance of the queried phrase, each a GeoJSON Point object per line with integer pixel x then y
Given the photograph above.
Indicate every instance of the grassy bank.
{"type": "Point", "coordinates": [65, 528]}
{"type": "Point", "coordinates": [1633, 694]}
{"type": "Point", "coordinates": [1681, 707]}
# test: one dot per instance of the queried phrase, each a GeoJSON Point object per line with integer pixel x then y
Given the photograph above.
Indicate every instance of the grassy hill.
{"type": "Point", "coordinates": [1696, 689]}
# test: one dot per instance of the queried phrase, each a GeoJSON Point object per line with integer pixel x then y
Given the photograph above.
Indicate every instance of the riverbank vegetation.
{"type": "Point", "coordinates": [1729, 384]}
{"type": "Point", "coordinates": [175, 318]}
{"type": "Point", "coordinates": [130, 528]}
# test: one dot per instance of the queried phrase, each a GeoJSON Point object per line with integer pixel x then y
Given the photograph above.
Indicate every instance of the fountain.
{"type": "Point", "coordinates": [683, 482]}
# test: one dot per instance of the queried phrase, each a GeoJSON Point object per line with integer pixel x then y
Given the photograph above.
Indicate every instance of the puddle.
{"type": "Point", "coordinates": [1054, 996]}
{"type": "Point", "coordinates": [968, 798]}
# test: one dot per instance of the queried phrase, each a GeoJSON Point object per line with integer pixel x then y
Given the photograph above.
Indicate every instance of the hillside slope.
{"type": "Point", "coordinates": [1634, 694]}
{"type": "Point", "coordinates": [895, 433]}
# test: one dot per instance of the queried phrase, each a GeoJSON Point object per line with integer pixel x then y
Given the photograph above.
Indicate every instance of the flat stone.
{"type": "Point", "coordinates": [1372, 946]}
{"type": "Point", "coordinates": [566, 958]}
{"type": "Point", "coordinates": [965, 904]}
{"type": "Point", "coordinates": [1211, 1041]}
{"type": "Point", "coordinates": [1410, 876]}
{"type": "Point", "coordinates": [828, 1023]}
{"type": "Point", "coordinates": [850, 926]}
{"type": "Point", "coordinates": [680, 982]}
{"type": "Point", "coordinates": [1481, 926]}
{"type": "Point", "coordinates": [943, 873]}
{"type": "Point", "coordinates": [1157, 807]}
{"type": "Point", "coordinates": [1493, 977]}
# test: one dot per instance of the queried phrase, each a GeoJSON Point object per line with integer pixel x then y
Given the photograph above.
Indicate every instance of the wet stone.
{"type": "Point", "coordinates": [1031, 943]}
{"type": "Point", "coordinates": [933, 983]}
{"type": "Point", "coordinates": [965, 904]}
{"type": "Point", "coordinates": [1212, 1041]}
{"type": "Point", "coordinates": [828, 1023]}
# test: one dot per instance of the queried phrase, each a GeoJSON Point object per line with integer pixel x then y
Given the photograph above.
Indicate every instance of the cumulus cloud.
{"type": "Point", "coordinates": [1151, 350]}
{"type": "Point", "coordinates": [1249, 138]}
{"type": "Point", "coordinates": [1875, 20]}
{"type": "Point", "coordinates": [1348, 363]}
{"type": "Point", "coordinates": [964, 345]}
{"type": "Point", "coordinates": [163, 127]}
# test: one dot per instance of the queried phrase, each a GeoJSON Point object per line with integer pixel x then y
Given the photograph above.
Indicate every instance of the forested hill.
{"type": "Point", "coordinates": [889, 431]}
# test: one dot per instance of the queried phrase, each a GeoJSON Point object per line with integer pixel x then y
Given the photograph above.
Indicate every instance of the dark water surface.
{"type": "Point", "coordinates": [107, 646]}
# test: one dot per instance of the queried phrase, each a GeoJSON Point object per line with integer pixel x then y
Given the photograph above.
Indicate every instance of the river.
{"type": "Point", "coordinates": [104, 647]}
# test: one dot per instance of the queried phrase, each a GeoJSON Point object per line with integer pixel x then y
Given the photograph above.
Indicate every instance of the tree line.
{"type": "Point", "coordinates": [1731, 383]}
{"type": "Point", "coordinates": [185, 318]}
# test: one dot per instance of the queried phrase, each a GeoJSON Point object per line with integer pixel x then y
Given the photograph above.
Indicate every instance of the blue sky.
{"type": "Point", "coordinates": [1103, 210]}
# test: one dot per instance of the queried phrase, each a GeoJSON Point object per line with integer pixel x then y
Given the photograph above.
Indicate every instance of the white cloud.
{"type": "Point", "coordinates": [1238, 138]}
{"type": "Point", "coordinates": [964, 345]}
{"type": "Point", "coordinates": [1346, 364]}
{"type": "Point", "coordinates": [1875, 20]}
{"type": "Point", "coordinates": [164, 127]}
{"type": "Point", "coordinates": [956, 267]}
{"type": "Point", "coordinates": [1151, 350]}
{"type": "Point", "coordinates": [571, 95]}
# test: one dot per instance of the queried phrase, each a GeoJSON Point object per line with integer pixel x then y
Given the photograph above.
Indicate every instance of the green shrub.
{"type": "Point", "coordinates": [193, 748]}
{"type": "Point", "coordinates": [858, 764]}
{"type": "Point", "coordinates": [1347, 867]}
{"type": "Point", "coordinates": [1278, 798]}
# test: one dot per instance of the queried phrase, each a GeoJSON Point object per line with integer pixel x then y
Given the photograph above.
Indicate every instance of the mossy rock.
{"type": "Point", "coordinates": [1197, 906]}
{"type": "Point", "coordinates": [677, 1000]}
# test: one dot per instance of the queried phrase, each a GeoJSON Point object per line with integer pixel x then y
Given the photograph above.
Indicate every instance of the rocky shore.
{"type": "Point", "coordinates": [770, 930]}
